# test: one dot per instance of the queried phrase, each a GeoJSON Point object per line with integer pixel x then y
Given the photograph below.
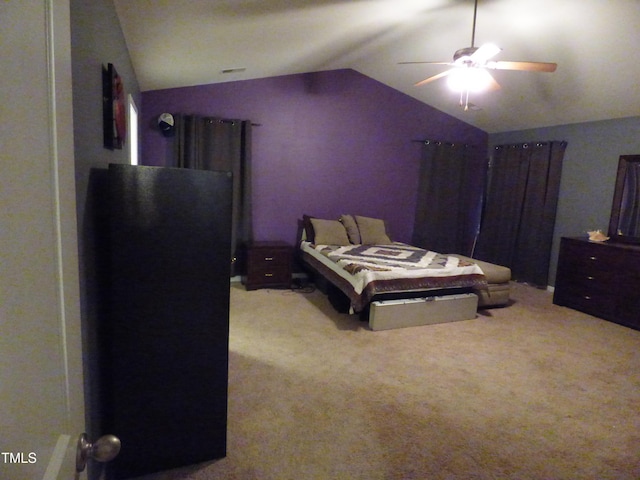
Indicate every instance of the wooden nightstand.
{"type": "Point", "coordinates": [268, 265]}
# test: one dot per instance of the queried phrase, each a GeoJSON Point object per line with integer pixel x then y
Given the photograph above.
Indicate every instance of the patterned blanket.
{"type": "Point", "coordinates": [400, 267]}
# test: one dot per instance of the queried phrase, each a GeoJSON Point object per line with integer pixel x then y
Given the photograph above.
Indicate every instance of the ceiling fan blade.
{"type": "Point", "coordinates": [423, 63]}
{"type": "Point", "coordinates": [485, 52]}
{"type": "Point", "coordinates": [524, 66]}
{"type": "Point", "coordinates": [431, 79]}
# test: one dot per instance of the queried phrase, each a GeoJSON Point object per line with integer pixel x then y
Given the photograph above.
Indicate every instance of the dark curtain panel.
{"type": "Point", "coordinates": [209, 143]}
{"type": "Point", "coordinates": [449, 198]}
{"type": "Point", "coordinates": [520, 209]}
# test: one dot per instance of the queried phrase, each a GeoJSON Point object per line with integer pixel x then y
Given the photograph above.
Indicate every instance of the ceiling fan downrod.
{"type": "Point", "coordinates": [473, 28]}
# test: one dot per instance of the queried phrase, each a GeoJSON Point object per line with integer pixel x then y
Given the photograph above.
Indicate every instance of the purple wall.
{"type": "Point", "coordinates": [328, 143]}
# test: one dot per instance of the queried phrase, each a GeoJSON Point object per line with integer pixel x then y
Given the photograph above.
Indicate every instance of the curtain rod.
{"type": "Point", "coordinates": [528, 144]}
{"type": "Point", "coordinates": [221, 120]}
{"type": "Point", "coordinates": [232, 122]}
{"type": "Point", "coordinates": [439, 142]}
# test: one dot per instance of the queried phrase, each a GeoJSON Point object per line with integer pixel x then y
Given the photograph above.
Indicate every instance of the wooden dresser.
{"type": "Point", "coordinates": [602, 279]}
{"type": "Point", "coordinates": [268, 265]}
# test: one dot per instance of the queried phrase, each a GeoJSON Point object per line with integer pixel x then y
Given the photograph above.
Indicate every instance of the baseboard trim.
{"type": "Point", "coordinates": [238, 278]}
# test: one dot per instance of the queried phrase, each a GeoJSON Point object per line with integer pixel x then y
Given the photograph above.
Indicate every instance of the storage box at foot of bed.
{"type": "Point", "coordinates": [388, 314]}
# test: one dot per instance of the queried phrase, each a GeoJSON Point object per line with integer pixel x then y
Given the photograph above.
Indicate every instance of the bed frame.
{"type": "Point", "coordinates": [345, 300]}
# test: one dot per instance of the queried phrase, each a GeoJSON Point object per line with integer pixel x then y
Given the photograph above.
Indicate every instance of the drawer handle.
{"type": "Point", "coordinates": [268, 259]}
{"type": "Point", "coordinates": [593, 258]}
{"type": "Point", "coordinates": [591, 278]}
{"type": "Point", "coordinates": [587, 297]}
{"type": "Point", "coordinates": [268, 274]}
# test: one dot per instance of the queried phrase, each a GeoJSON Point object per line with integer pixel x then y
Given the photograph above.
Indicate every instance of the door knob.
{"type": "Point", "coordinates": [105, 449]}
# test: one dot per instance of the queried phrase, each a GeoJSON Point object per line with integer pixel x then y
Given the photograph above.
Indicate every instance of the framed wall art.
{"type": "Point", "coordinates": [113, 108]}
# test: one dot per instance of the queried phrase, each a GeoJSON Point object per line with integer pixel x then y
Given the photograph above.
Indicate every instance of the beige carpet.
{"type": "Point", "coordinates": [531, 391]}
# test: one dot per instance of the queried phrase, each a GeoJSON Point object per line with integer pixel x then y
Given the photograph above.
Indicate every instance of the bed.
{"type": "Point", "coordinates": [356, 256]}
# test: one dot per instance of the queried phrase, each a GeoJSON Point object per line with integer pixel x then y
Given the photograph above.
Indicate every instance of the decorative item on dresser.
{"type": "Point", "coordinates": [600, 278]}
{"type": "Point", "coordinates": [268, 265]}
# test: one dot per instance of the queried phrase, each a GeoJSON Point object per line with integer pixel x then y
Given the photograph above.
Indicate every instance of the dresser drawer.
{"type": "Point", "coordinates": [588, 277]}
{"type": "Point", "coordinates": [596, 301]}
{"type": "Point", "coordinates": [629, 270]}
{"type": "Point", "coordinates": [589, 257]}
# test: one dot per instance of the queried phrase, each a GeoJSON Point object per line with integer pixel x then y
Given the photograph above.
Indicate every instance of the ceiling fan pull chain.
{"type": "Point", "coordinates": [464, 94]}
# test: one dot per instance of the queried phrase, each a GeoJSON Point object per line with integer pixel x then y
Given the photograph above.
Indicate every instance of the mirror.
{"type": "Point", "coordinates": [624, 225]}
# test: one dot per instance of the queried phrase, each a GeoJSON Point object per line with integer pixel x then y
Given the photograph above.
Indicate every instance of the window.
{"type": "Point", "coordinates": [132, 134]}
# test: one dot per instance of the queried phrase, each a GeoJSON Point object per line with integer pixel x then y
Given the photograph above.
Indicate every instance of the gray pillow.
{"type": "Point", "coordinates": [329, 232]}
{"type": "Point", "coordinates": [353, 232]}
{"type": "Point", "coordinates": [372, 231]}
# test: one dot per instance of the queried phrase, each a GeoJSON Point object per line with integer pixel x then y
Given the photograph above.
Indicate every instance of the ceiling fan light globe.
{"type": "Point", "coordinates": [469, 80]}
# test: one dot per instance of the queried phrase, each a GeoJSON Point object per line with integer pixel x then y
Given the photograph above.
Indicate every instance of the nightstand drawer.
{"type": "Point", "coordinates": [269, 258]}
{"type": "Point", "coordinates": [268, 276]}
{"type": "Point", "coordinates": [268, 265]}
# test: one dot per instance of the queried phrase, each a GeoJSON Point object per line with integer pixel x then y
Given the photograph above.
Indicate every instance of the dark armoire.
{"type": "Point", "coordinates": [167, 334]}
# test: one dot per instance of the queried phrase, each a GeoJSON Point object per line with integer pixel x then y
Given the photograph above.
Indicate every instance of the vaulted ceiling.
{"type": "Point", "coordinates": [175, 43]}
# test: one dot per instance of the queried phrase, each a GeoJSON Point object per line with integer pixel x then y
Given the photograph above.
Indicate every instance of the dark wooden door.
{"type": "Point", "coordinates": [168, 330]}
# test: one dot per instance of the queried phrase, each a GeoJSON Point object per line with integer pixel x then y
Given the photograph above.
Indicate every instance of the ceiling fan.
{"type": "Point", "coordinates": [471, 64]}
